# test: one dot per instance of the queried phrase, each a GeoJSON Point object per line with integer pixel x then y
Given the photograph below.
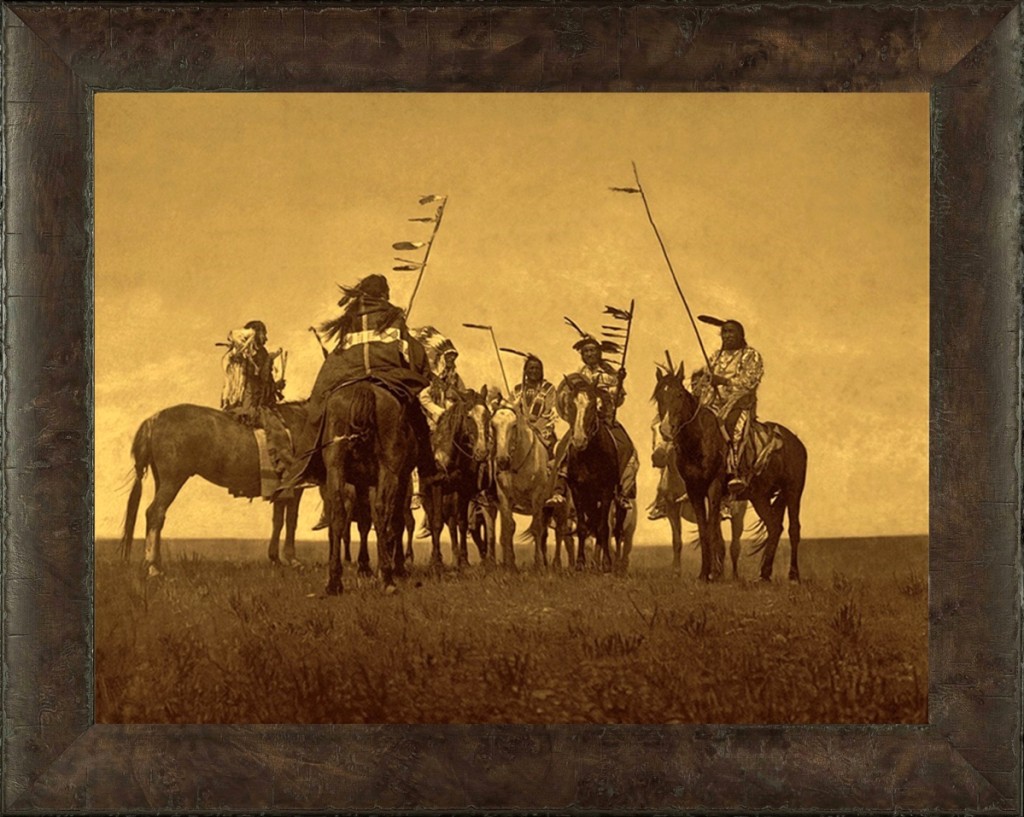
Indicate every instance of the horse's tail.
{"type": "Point", "coordinates": [142, 455]}
{"type": "Point", "coordinates": [362, 412]}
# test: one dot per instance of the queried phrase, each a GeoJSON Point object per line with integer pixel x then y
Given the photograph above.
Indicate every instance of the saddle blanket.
{"type": "Point", "coordinates": [765, 439]}
{"type": "Point", "coordinates": [270, 479]}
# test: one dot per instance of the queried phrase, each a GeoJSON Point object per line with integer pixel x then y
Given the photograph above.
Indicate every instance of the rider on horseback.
{"type": "Point", "coordinates": [445, 379]}
{"type": "Point", "coordinates": [731, 393]}
{"type": "Point", "coordinates": [249, 370]}
{"type": "Point", "coordinates": [373, 342]}
{"type": "Point", "coordinates": [611, 394]}
{"type": "Point", "coordinates": [535, 398]}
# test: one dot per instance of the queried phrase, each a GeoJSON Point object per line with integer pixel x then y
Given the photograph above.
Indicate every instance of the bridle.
{"type": "Point", "coordinates": [516, 432]}
{"type": "Point", "coordinates": [594, 426]}
{"type": "Point", "coordinates": [674, 429]}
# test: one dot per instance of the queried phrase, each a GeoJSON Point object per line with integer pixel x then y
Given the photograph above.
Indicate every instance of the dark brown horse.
{"type": "Point", "coordinates": [673, 498]}
{"type": "Point", "coordinates": [367, 442]}
{"type": "Point", "coordinates": [183, 441]}
{"type": "Point", "coordinates": [592, 466]}
{"type": "Point", "coordinates": [461, 443]}
{"type": "Point", "coordinates": [700, 454]}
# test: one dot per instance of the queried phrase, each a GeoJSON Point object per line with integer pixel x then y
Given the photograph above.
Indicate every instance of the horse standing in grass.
{"type": "Point", "coordinates": [673, 498]}
{"type": "Point", "coordinates": [592, 469]}
{"type": "Point", "coordinates": [700, 448]}
{"type": "Point", "coordinates": [367, 441]}
{"type": "Point", "coordinates": [522, 475]}
{"type": "Point", "coordinates": [461, 443]}
{"type": "Point", "coordinates": [186, 440]}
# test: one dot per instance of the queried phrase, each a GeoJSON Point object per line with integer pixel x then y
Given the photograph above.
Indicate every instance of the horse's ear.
{"type": "Point", "coordinates": [681, 373]}
{"type": "Point", "coordinates": [483, 393]}
{"type": "Point", "coordinates": [659, 373]}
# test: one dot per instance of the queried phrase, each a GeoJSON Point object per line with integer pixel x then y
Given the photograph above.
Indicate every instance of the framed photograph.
{"type": "Point", "coordinates": [255, 251]}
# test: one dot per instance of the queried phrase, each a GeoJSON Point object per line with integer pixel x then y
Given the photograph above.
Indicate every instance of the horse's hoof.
{"type": "Point", "coordinates": [794, 577]}
{"type": "Point", "coordinates": [333, 589]}
{"type": "Point", "coordinates": [153, 572]}
{"type": "Point", "coordinates": [390, 589]}
{"type": "Point", "coordinates": [364, 571]}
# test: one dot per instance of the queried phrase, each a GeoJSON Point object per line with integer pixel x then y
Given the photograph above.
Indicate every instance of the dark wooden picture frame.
{"type": "Point", "coordinates": [968, 56]}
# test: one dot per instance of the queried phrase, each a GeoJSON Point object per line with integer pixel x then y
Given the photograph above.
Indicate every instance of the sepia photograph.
{"type": "Point", "coordinates": [511, 408]}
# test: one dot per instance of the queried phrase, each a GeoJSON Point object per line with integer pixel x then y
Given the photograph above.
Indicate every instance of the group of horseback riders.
{"type": "Point", "coordinates": [372, 340]}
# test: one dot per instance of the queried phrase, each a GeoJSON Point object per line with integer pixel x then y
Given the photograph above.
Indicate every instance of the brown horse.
{"type": "Point", "coordinates": [592, 468]}
{"type": "Point", "coordinates": [367, 441]}
{"type": "Point", "coordinates": [700, 455]}
{"type": "Point", "coordinates": [183, 441]}
{"type": "Point", "coordinates": [673, 498]}
{"type": "Point", "coordinates": [461, 443]}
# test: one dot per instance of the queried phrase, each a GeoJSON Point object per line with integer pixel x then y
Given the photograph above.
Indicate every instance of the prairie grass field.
{"type": "Point", "coordinates": [224, 636]}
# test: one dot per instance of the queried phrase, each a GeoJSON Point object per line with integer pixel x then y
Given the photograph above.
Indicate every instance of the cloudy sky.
{"type": "Point", "coordinates": [803, 216]}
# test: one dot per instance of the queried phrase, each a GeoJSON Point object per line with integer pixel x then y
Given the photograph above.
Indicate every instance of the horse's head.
{"type": "Point", "coordinates": [577, 405]}
{"type": "Point", "coordinates": [504, 421]}
{"type": "Point", "coordinates": [478, 424]}
{"type": "Point", "coordinates": [676, 405]}
{"type": "Point", "coordinates": [464, 427]}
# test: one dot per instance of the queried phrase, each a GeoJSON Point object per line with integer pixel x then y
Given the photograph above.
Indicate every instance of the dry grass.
{"type": "Point", "coordinates": [240, 641]}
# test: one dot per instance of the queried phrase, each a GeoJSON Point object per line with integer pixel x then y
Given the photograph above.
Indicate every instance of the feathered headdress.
{"type": "Point", "coordinates": [586, 339]}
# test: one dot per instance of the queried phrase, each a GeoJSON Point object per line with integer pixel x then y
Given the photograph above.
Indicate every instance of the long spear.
{"type": "Point", "coordinates": [430, 243]}
{"type": "Point", "coordinates": [497, 352]}
{"type": "Point", "coordinates": [640, 189]}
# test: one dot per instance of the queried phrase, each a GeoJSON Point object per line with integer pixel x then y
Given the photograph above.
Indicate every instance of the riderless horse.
{"type": "Point", "coordinates": [774, 490]}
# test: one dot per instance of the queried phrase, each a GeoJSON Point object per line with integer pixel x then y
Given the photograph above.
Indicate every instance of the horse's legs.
{"type": "Point", "coordinates": [410, 524]}
{"type": "Point", "coordinates": [364, 522]}
{"type": "Point", "coordinates": [398, 528]}
{"type": "Point", "coordinates": [676, 524]}
{"type": "Point", "coordinates": [603, 533]}
{"type": "Point", "coordinates": [771, 515]}
{"type": "Point", "coordinates": [350, 512]}
{"type": "Point", "coordinates": [337, 515]}
{"type": "Point", "coordinates": [507, 529]}
{"type": "Point", "coordinates": [539, 532]}
{"type": "Point", "coordinates": [626, 529]}
{"type": "Point", "coordinates": [793, 509]}
{"type": "Point", "coordinates": [166, 490]}
{"type": "Point", "coordinates": [737, 511]}
{"type": "Point", "coordinates": [700, 511]}
{"type": "Point", "coordinates": [291, 522]}
{"type": "Point", "coordinates": [275, 530]}
{"type": "Point", "coordinates": [433, 506]}
{"type": "Point", "coordinates": [388, 520]}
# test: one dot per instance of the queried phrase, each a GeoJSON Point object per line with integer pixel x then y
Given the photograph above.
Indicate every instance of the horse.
{"type": "Point", "coordinates": [592, 469]}
{"type": "Point", "coordinates": [186, 440]}
{"type": "Point", "coordinates": [521, 463]}
{"type": "Point", "coordinates": [673, 498]}
{"type": "Point", "coordinates": [776, 489]}
{"type": "Point", "coordinates": [461, 443]}
{"type": "Point", "coordinates": [366, 441]}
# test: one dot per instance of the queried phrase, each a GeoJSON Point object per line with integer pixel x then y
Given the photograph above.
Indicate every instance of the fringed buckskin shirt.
{"type": "Point", "coordinates": [743, 368]}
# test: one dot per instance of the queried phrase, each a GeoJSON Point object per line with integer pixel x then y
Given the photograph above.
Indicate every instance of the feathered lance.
{"type": "Point", "coordinates": [497, 353]}
{"type": "Point", "coordinates": [430, 243]}
{"type": "Point", "coordinates": [640, 189]}
{"type": "Point", "coordinates": [625, 346]}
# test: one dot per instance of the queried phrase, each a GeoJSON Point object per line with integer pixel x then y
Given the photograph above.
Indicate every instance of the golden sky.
{"type": "Point", "coordinates": [803, 216]}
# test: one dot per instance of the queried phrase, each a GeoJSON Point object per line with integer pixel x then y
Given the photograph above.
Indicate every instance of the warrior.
{"type": "Point", "coordinates": [444, 376]}
{"type": "Point", "coordinates": [535, 398]}
{"type": "Point", "coordinates": [611, 394]}
{"type": "Point", "coordinates": [730, 391]}
{"type": "Point", "coordinates": [372, 342]}
{"type": "Point", "coordinates": [249, 385]}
